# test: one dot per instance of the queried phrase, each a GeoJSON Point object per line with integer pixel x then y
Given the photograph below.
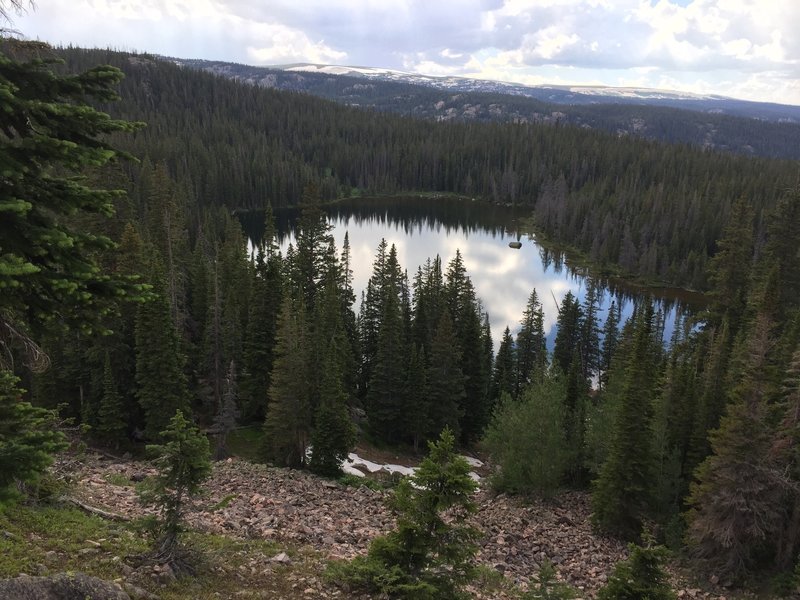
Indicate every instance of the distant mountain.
{"type": "Point", "coordinates": [571, 94]}
{"type": "Point", "coordinates": [714, 122]}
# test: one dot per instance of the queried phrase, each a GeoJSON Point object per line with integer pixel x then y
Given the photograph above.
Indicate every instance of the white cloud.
{"type": "Point", "coordinates": [733, 46]}
{"type": "Point", "coordinates": [282, 44]}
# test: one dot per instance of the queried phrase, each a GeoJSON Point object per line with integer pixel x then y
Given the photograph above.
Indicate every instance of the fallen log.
{"type": "Point", "coordinates": [95, 511]}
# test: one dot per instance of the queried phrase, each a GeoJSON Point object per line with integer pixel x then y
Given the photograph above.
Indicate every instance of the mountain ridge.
{"type": "Point", "coordinates": [701, 122]}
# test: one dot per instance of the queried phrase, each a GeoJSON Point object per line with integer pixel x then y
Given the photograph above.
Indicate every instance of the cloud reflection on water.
{"type": "Point", "coordinates": [503, 277]}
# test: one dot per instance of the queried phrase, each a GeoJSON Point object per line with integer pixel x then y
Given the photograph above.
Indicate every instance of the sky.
{"type": "Point", "coordinates": [747, 49]}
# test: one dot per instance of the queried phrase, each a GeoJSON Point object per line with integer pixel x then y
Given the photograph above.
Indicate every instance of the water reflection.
{"type": "Point", "coordinates": [503, 277]}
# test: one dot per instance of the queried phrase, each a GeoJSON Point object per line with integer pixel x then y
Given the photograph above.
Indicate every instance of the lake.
{"type": "Point", "coordinates": [422, 227]}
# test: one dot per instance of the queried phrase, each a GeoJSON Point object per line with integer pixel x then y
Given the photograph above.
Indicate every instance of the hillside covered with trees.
{"type": "Point", "coordinates": [652, 209]}
{"type": "Point", "coordinates": [142, 316]}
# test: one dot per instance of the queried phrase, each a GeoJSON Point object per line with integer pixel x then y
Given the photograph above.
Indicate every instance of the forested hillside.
{"type": "Point", "coordinates": [144, 317]}
{"type": "Point", "coordinates": [653, 209]}
{"type": "Point", "coordinates": [695, 123]}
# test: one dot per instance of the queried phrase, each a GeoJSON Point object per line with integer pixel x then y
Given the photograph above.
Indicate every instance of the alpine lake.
{"type": "Point", "coordinates": [426, 226]}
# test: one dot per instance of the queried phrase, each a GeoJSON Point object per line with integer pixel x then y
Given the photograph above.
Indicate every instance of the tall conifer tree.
{"type": "Point", "coordinates": [623, 492]}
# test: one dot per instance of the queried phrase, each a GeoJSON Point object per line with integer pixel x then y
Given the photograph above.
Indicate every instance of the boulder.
{"type": "Point", "coordinates": [64, 586]}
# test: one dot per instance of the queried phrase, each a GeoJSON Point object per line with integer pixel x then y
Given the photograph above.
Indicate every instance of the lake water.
{"type": "Point", "coordinates": [503, 277]}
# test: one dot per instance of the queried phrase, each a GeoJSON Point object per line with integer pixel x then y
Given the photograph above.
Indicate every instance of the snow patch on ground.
{"type": "Point", "coordinates": [472, 462]}
{"type": "Point", "coordinates": [355, 465]}
{"type": "Point", "coordinates": [354, 460]}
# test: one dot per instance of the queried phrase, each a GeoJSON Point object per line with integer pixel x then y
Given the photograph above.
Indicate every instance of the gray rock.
{"type": "Point", "coordinates": [137, 593]}
{"type": "Point", "coordinates": [77, 586]}
{"type": "Point", "coordinates": [281, 558]}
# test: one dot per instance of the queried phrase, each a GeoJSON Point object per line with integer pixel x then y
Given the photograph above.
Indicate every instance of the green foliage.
{"type": "Point", "coordinates": [111, 419]}
{"type": "Point", "coordinates": [385, 400]}
{"type": "Point", "coordinates": [28, 438]}
{"type": "Point", "coordinates": [531, 344]}
{"type": "Point", "coordinates": [526, 440]}
{"type": "Point", "coordinates": [161, 383]}
{"type": "Point", "coordinates": [640, 577]}
{"type": "Point", "coordinates": [445, 379]}
{"type": "Point", "coordinates": [183, 462]}
{"type": "Point", "coordinates": [547, 587]}
{"type": "Point", "coordinates": [50, 274]}
{"type": "Point", "coordinates": [287, 426]}
{"type": "Point", "coordinates": [333, 434]}
{"type": "Point", "coordinates": [622, 493]}
{"type": "Point", "coordinates": [356, 481]}
{"type": "Point", "coordinates": [737, 501]}
{"type": "Point", "coordinates": [505, 368]}
{"type": "Point", "coordinates": [426, 556]}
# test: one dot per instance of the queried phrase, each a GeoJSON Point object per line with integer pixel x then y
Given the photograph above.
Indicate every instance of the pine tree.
{"type": "Point", "coordinates": [287, 426]}
{"type": "Point", "coordinates": [531, 344]}
{"type": "Point", "coordinates": [28, 438]}
{"type": "Point", "coordinates": [568, 335]}
{"type": "Point", "coordinates": [50, 275]}
{"type": "Point", "coordinates": [416, 398]}
{"type": "Point", "coordinates": [504, 378]}
{"type": "Point", "coordinates": [610, 341]}
{"type": "Point", "coordinates": [183, 464]}
{"type": "Point", "coordinates": [737, 504]}
{"type": "Point", "coordinates": [639, 577]}
{"type": "Point", "coordinates": [111, 418]}
{"type": "Point", "coordinates": [622, 493]}
{"type": "Point", "coordinates": [445, 380]}
{"type": "Point", "coordinates": [333, 435]}
{"type": "Point", "coordinates": [227, 414]}
{"type": "Point", "coordinates": [426, 556]}
{"type": "Point", "coordinates": [526, 440]}
{"type": "Point", "coordinates": [161, 386]}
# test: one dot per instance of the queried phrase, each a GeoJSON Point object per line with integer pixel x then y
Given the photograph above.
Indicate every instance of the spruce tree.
{"type": "Point", "coordinates": [333, 435]}
{"type": "Point", "coordinates": [737, 502]}
{"type": "Point", "coordinates": [610, 341]}
{"type": "Point", "coordinates": [227, 413]}
{"type": "Point", "coordinates": [568, 335]}
{"type": "Point", "coordinates": [161, 386]}
{"type": "Point", "coordinates": [531, 344]}
{"type": "Point", "coordinates": [622, 493]}
{"type": "Point", "coordinates": [50, 275]}
{"type": "Point", "coordinates": [427, 555]}
{"type": "Point", "coordinates": [786, 450]}
{"type": "Point", "coordinates": [504, 378]}
{"type": "Point", "coordinates": [445, 380]}
{"type": "Point", "coordinates": [416, 397]}
{"type": "Point", "coordinates": [28, 437]}
{"type": "Point", "coordinates": [259, 338]}
{"type": "Point", "coordinates": [183, 464]}
{"type": "Point", "coordinates": [590, 331]}
{"type": "Point", "coordinates": [640, 577]}
{"type": "Point", "coordinates": [287, 426]}
{"type": "Point", "coordinates": [385, 397]}
{"type": "Point", "coordinates": [111, 418]}
{"type": "Point", "coordinates": [526, 440]}
{"type": "Point", "coordinates": [729, 268]}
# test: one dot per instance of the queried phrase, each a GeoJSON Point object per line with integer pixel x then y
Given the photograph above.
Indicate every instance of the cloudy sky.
{"type": "Point", "coordinates": [741, 48]}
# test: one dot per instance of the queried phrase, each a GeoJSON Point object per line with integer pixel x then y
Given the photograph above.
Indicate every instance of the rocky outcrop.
{"type": "Point", "coordinates": [63, 586]}
{"type": "Point", "coordinates": [297, 509]}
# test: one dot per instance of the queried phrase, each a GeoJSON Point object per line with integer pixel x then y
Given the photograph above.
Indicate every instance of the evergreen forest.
{"type": "Point", "coordinates": [133, 305]}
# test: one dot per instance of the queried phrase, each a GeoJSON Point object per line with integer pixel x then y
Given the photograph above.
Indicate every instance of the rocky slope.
{"type": "Point", "coordinates": [298, 509]}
